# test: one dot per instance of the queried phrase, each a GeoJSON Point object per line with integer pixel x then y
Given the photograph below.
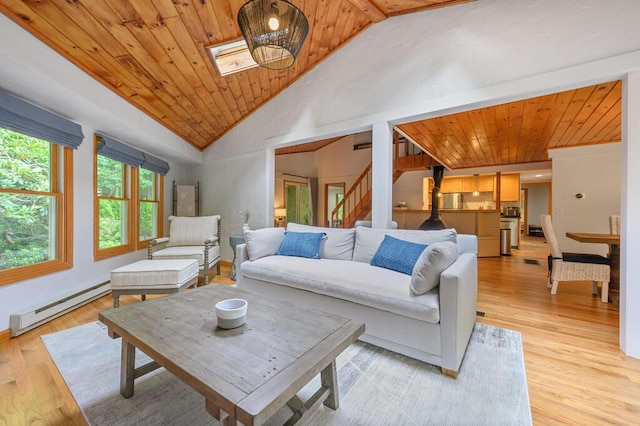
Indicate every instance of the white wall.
{"type": "Point", "coordinates": [34, 72]}
{"type": "Point", "coordinates": [438, 62]}
{"type": "Point", "coordinates": [595, 172]}
{"type": "Point", "coordinates": [538, 202]}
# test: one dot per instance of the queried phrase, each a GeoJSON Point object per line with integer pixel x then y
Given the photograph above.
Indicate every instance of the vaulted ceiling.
{"type": "Point", "coordinates": [152, 52]}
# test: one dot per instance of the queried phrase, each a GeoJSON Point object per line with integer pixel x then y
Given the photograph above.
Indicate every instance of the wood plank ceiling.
{"type": "Point", "coordinates": [521, 132]}
{"type": "Point", "coordinates": [152, 52]}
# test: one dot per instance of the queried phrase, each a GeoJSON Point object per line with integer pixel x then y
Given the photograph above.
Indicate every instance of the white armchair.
{"type": "Point", "coordinates": [190, 238]}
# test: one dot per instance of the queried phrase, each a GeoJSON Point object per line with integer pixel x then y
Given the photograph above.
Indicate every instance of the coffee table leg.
{"type": "Point", "coordinates": [127, 369]}
{"type": "Point", "coordinates": [329, 378]}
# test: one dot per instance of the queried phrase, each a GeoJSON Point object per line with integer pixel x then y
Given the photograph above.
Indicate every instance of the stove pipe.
{"type": "Point", "coordinates": [435, 221]}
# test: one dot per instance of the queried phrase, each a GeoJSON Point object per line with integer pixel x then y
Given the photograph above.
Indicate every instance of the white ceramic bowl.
{"type": "Point", "coordinates": [231, 313]}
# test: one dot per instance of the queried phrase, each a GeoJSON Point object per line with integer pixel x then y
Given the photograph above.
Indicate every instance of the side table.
{"type": "Point", "coordinates": [234, 240]}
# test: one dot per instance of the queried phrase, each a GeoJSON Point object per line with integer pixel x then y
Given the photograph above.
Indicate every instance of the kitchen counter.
{"type": "Point", "coordinates": [483, 223]}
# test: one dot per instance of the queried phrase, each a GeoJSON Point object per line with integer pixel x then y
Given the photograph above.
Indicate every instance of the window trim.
{"type": "Point", "coordinates": [131, 188]}
{"type": "Point", "coordinates": [159, 200]}
{"type": "Point", "coordinates": [64, 244]}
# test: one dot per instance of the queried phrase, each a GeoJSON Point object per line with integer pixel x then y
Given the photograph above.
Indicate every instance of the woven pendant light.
{"type": "Point", "coordinates": [274, 31]}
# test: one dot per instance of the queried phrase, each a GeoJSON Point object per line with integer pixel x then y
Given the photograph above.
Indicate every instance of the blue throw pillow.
{"type": "Point", "coordinates": [397, 255]}
{"type": "Point", "coordinates": [301, 244]}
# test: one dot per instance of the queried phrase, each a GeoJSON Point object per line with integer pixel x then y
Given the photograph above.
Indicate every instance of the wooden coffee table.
{"type": "Point", "coordinates": [246, 374]}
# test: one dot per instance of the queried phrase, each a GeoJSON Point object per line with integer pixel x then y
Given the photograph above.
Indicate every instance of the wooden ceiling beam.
{"type": "Point", "coordinates": [370, 9]}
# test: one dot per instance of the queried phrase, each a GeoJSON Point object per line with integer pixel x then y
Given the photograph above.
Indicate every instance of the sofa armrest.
{"type": "Point", "coordinates": [458, 309]}
{"type": "Point", "coordinates": [242, 255]}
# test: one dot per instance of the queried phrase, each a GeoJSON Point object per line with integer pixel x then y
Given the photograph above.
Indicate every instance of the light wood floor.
{"type": "Point", "coordinates": [576, 374]}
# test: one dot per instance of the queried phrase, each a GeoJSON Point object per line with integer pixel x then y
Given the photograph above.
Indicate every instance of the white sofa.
{"type": "Point", "coordinates": [434, 327]}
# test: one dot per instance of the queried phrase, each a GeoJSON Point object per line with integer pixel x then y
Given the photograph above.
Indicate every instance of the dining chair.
{"type": "Point", "coordinates": [575, 266]}
{"type": "Point", "coordinates": [614, 225]}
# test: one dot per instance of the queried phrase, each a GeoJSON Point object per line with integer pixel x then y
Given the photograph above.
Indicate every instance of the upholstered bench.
{"type": "Point", "coordinates": [153, 277]}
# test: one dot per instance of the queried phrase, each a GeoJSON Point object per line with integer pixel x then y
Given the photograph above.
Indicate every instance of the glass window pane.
{"type": "Point", "coordinates": [113, 227]}
{"type": "Point", "coordinates": [110, 178]}
{"type": "Point", "coordinates": [304, 206]}
{"type": "Point", "coordinates": [24, 162]}
{"type": "Point", "coordinates": [28, 229]}
{"type": "Point", "coordinates": [147, 185]}
{"type": "Point", "coordinates": [148, 220]}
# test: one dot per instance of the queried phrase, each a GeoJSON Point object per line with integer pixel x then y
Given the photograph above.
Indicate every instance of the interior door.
{"type": "Point", "coordinates": [333, 194]}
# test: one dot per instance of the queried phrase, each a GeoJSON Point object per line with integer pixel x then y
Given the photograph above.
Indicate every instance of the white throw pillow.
{"type": "Point", "coordinates": [263, 242]}
{"type": "Point", "coordinates": [338, 243]}
{"type": "Point", "coordinates": [369, 239]}
{"type": "Point", "coordinates": [192, 231]}
{"type": "Point", "coordinates": [432, 262]}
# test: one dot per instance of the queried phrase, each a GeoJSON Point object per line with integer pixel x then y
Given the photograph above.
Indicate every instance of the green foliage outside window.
{"type": "Point", "coordinates": [148, 206]}
{"type": "Point", "coordinates": [26, 219]}
{"type": "Point", "coordinates": [113, 208]}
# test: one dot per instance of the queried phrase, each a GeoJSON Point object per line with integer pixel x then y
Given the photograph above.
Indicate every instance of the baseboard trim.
{"type": "Point", "coordinates": [5, 335]}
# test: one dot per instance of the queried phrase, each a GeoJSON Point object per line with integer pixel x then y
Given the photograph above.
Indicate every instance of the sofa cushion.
{"type": "Point", "coordinates": [368, 239]}
{"type": "Point", "coordinates": [353, 281]}
{"type": "Point", "coordinates": [435, 259]}
{"type": "Point", "coordinates": [338, 244]}
{"type": "Point", "coordinates": [301, 244]}
{"type": "Point", "coordinates": [397, 255]}
{"type": "Point", "coordinates": [192, 231]}
{"type": "Point", "coordinates": [263, 242]}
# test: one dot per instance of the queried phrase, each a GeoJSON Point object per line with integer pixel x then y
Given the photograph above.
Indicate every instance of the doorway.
{"type": "Point", "coordinates": [333, 194]}
{"type": "Point", "coordinates": [297, 201]}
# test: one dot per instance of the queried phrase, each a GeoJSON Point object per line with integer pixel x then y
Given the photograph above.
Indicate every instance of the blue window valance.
{"type": "Point", "coordinates": [31, 120]}
{"type": "Point", "coordinates": [155, 164]}
{"type": "Point", "coordinates": [124, 153]}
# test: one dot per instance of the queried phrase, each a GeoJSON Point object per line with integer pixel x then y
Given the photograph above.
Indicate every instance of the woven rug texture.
{"type": "Point", "coordinates": [376, 386]}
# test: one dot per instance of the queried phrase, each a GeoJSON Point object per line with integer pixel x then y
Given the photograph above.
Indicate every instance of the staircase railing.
{"type": "Point", "coordinates": [356, 201]}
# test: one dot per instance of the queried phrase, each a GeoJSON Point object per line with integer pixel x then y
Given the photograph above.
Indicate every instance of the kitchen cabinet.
{"type": "Point", "coordinates": [451, 184]}
{"type": "Point", "coordinates": [483, 184]}
{"type": "Point", "coordinates": [509, 188]}
{"type": "Point", "coordinates": [484, 224]}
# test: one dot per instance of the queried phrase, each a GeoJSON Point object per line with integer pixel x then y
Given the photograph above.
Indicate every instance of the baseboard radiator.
{"type": "Point", "coordinates": [31, 318]}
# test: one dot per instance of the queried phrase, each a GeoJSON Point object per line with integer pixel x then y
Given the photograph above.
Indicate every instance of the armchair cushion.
{"type": "Point", "coordinates": [188, 252]}
{"type": "Point", "coordinates": [192, 231]}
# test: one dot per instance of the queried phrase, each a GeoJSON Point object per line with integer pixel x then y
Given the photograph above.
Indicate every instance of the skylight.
{"type": "Point", "coordinates": [231, 57]}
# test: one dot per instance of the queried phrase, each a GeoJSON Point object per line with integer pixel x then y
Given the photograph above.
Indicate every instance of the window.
{"type": "Point", "coordinates": [149, 206]}
{"type": "Point", "coordinates": [129, 188]}
{"type": "Point", "coordinates": [114, 207]}
{"type": "Point", "coordinates": [233, 57]}
{"type": "Point", "coordinates": [35, 188]}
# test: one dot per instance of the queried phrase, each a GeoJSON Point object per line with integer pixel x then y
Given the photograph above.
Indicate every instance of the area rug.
{"type": "Point", "coordinates": [376, 386]}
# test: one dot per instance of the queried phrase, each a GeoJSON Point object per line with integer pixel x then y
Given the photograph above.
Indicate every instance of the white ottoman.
{"type": "Point", "coordinates": [153, 277]}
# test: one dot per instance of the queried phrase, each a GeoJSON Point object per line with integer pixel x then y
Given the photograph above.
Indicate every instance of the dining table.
{"type": "Point", "coordinates": [613, 241]}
